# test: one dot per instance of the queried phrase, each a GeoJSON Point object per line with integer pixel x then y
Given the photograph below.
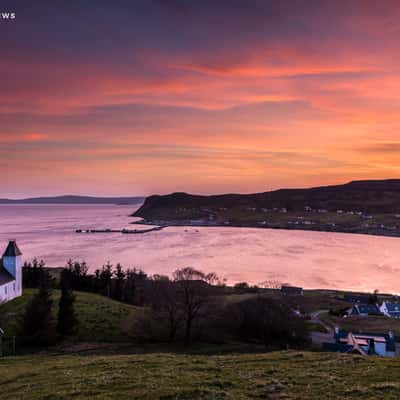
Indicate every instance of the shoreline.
{"type": "Point", "coordinates": [186, 224]}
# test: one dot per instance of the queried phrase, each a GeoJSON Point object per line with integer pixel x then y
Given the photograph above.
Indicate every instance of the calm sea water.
{"type": "Point", "coordinates": [309, 259]}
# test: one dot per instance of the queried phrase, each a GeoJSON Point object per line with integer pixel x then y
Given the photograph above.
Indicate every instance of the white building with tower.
{"type": "Point", "coordinates": [11, 273]}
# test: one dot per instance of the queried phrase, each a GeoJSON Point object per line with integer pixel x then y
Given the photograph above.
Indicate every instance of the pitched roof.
{"type": "Point", "coordinates": [286, 289]}
{"type": "Point", "coordinates": [393, 308]}
{"type": "Point", "coordinates": [5, 276]}
{"type": "Point", "coordinates": [356, 298]}
{"type": "Point", "coordinates": [366, 309]}
{"type": "Point", "coordinates": [342, 336]}
{"type": "Point", "coordinates": [12, 249]}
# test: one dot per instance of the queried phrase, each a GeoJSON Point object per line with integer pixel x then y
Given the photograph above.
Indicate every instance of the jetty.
{"type": "Point", "coordinates": [124, 231]}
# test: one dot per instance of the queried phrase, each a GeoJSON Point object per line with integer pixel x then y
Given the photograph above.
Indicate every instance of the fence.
{"type": "Point", "coordinates": [8, 346]}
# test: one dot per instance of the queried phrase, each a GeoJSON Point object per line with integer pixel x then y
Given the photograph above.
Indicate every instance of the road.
{"type": "Point", "coordinates": [319, 337]}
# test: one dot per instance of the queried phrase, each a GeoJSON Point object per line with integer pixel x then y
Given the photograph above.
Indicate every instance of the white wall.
{"type": "Point", "coordinates": [383, 309]}
{"type": "Point", "coordinates": [380, 349]}
{"type": "Point", "coordinates": [14, 266]}
{"type": "Point", "coordinates": [12, 289]}
{"type": "Point", "coordinates": [8, 292]}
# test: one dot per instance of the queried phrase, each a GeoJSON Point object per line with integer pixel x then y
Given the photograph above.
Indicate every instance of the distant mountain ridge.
{"type": "Point", "coordinates": [369, 196]}
{"type": "Point", "coordinates": [72, 199]}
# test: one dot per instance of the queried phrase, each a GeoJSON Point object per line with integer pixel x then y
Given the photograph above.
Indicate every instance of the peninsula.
{"type": "Point", "coordinates": [371, 207]}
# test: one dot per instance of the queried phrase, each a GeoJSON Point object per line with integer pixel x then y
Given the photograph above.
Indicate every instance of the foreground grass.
{"type": "Point", "coordinates": [280, 375]}
{"type": "Point", "coordinates": [100, 319]}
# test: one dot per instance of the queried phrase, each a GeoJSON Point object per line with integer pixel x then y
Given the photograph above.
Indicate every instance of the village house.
{"type": "Point", "coordinates": [355, 298]}
{"type": "Point", "coordinates": [364, 310]}
{"type": "Point", "coordinates": [391, 310]}
{"type": "Point", "coordinates": [362, 343]}
{"type": "Point", "coordinates": [291, 290]}
{"type": "Point", "coordinates": [11, 273]}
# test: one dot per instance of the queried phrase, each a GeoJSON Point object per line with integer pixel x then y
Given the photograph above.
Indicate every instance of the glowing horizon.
{"type": "Point", "coordinates": [204, 97]}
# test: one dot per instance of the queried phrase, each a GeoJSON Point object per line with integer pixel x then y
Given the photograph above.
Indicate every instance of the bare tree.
{"type": "Point", "coordinates": [213, 279]}
{"type": "Point", "coordinates": [194, 288]}
{"type": "Point", "coordinates": [165, 299]}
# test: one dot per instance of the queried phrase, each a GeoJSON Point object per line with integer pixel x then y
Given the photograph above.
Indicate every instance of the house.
{"type": "Point", "coordinates": [365, 309]}
{"type": "Point", "coordinates": [11, 273]}
{"type": "Point", "coordinates": [356, 298]}
{"type": "Point", "coordinates": [391, 310]}
{"type": "Point", "coordinates": [362, 343]}
{"type": "Point", "coordinates": [291, 290]}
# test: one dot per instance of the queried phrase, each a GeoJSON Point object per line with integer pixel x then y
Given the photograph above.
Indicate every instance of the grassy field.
{"type": "Point", "coordinates": [208, 372]}
{"type": "Point", "coordinates": [100, 319]}
{"type": "Point", "coordinates": [313, 300]}
{"type": "Point", "coordinates": [280, 375]}
{"type": "Point", "coordinates": [373, 324]}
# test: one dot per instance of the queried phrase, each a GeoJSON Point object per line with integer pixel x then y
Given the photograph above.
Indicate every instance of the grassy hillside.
{"type": "Point", "coordinates": [379, 196]}
{"type": "Point", "coordinates": [281, 375]}
{"type": "Point", "coordinates": [100, 319]}
{"type": "Point", "coordinates": [373, 324]}
{"type": "Point", "coordinates": [371, 207]}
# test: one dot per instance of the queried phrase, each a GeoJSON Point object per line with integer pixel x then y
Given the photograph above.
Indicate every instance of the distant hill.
{"type": "Point", "coordinates": [371, 207]}
{"type": "Point", "coordinates": [372, 196]}
{"type": "Point", "coordinates": [70, 199]}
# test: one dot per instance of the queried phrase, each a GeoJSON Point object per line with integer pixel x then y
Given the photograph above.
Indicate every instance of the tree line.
{"type": "Point", "coordinates": [38, 326]}
{"type": "Point", "coordinates": [115, 282]}
{"type": "Point", "coordinates": [190, 305]}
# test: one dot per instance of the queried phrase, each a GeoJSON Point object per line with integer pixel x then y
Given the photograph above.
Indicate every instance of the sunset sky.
{"type": "Point", "coordinates": [141, 97]}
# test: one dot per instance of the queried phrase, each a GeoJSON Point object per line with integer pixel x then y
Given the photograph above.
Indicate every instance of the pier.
{"type": "Point", "coordinates": [124, 231]}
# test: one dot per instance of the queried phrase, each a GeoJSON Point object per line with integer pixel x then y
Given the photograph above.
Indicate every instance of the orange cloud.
{"type": "Point", "coordinates": [247, 103]}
